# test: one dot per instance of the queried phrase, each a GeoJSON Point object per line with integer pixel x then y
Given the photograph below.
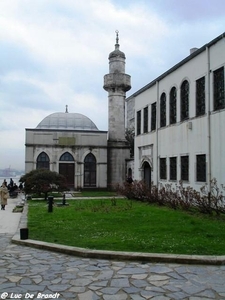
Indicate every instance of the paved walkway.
{"type": "Point", "coordinates": [9, 221]}
{"type": "Point", "coordinates": [30, 273]}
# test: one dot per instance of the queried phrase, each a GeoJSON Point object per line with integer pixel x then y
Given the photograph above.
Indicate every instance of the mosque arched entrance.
{"type": "Point", "coordinates": [147, 174]}
{"type": "Point", "coordinates": [67, 168]}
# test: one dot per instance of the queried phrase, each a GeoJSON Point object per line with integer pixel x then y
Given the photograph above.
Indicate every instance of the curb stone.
{"type": "Point", "coordinates": [114, 255]}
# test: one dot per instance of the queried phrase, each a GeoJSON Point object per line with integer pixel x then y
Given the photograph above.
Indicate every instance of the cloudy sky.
{"type": "Point", "coordinates": [54, 53]}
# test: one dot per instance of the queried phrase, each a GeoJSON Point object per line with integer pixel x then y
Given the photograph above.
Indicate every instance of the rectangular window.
{"type": "Point", "coordinates": [138, 122]}
{"type": "Point", "coordinates": [218, 89]}
{"type": "Point", "coordinates": [200, 97]}
{"type": "Point", "coordinates": [201, 168]}
{"type": "Point", "coordinates": [185, 168]}
{"type": "Point", "coordinates": [146, 119]}
{"type": "Point", "coordinates": [173, 168]}
{"type": "Point", "coordinates": [153, 116]}
{"type": "Point", "coordinates": [162, 168]}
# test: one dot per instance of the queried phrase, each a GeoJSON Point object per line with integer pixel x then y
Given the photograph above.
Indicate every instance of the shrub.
{"type": "Point", "coordinates": [177, 197]}
{"type": "Point", "coordinates": [43, 181]}
{"type": "Point", "coordinates": [212, 201]}
{"type": "Point", "coordinates": [136, 190]}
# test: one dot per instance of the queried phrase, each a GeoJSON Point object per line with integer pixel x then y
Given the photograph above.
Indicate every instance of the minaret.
{"type": "Point", "coordinates": [117, 83]}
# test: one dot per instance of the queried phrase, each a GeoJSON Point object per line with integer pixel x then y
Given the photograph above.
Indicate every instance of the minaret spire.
{"type": "Point", "coordinates": [117, 40]}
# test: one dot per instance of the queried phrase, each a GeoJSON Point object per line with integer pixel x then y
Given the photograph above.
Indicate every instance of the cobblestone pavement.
{"type": "Point", "coordinates": [28, 273]}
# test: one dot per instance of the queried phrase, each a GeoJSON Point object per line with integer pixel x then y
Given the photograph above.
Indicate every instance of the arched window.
{"type": "Point", "coordinates": [66, 157]}
{"type": "Point", "coordinates": [42, 161]}
{"type": "Point", "coordinates": [163, 110]}
{"type": "Point", "coordinates": [90, 171]}
{"type": "Point", "coordinates": [184, 101]}
{"type": "Point", "coordinates": [218, 89]}
{"type": "Point", "coordinates": [173, 105]}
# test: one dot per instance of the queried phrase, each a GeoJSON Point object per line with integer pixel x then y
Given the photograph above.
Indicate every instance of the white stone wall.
{"type": "Point", "coordinates": [189, 137]}
{"type": "Point", "coordinates": [130, 113]}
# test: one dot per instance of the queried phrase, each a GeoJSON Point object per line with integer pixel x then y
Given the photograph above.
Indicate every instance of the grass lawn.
{"type": "Point", "coordinates": [125, 225]}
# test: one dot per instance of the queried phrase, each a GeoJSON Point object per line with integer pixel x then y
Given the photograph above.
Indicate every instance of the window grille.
{"type": "Point", "coordinates": [173, 105]}
{"type": "Point", "coordinates": [145, 119]}
{"type": "Point", "coordinates": [42, 161]}
{"type": "Point", "coordinates": [201, 168]}
{"type": "Point", "coordinates": [138, 122]}
{"type": "Point", "coordinates": [200, 96]}
{"type": "Point", "coordinates": [163, 168]}
{"type": "Point", "coordinates": [173, 168]}
{"type": "Point", "coordinates": [185, 168]}
{"type": "Point", "coordinates": [184, 101]}
{"type": "Point", "coordinates": [163, 110]}
{"type": "Point", "coordinates": [90, 170]}
{"type": "Point", "coordinates": [218, 89]}
{"type": "Point", "coordinates": [153, 116]}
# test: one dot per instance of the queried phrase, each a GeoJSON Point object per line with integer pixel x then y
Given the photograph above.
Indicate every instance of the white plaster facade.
{"type": "Point", "coordinates": [198, 135]}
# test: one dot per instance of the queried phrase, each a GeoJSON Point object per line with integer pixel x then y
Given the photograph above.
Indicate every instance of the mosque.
{"type": "Point", "coordinates": [178, 120]}
{"type": "Point", "coordinates": [72, 145]}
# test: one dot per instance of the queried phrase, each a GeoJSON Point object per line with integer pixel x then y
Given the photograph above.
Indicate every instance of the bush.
{"type": "Point", "coordinates": [212, 201]}
{"type": "Point", "coordinates": [43, 181]}
{"type": "Point", "coordinates": [136, 190]}
{"type": "Point", "coordinates": [178, 197]}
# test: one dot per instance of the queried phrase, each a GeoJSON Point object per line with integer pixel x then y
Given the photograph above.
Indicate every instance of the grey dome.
{"type": "Point", "coordinates": [67, 121]}
{"type": "Point", "coordinates": [117, 53]}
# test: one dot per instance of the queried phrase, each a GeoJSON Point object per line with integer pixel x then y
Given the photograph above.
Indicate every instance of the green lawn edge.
{"type": "Point", "coordinates": [126, 225]}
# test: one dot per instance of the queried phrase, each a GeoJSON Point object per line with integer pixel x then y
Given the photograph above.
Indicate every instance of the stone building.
{"type": "Point", "coordinates": [180, 120]}
{"type": "Point", "coordinates": [72, 145]}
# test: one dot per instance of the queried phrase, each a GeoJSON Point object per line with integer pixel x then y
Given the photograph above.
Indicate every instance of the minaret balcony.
{"type": "Point", "coordinates": [115, 81]}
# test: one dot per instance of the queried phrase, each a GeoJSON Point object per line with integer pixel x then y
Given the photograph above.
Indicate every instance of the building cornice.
{"type": "Point", "coordinates": [178, 65]}
{"type": "Point", "coordinates": [65, 130]}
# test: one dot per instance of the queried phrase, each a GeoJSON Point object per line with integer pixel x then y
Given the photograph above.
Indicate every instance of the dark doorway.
{"type": "Point", "coordinates": [147, 174]}
{"type": "Point", "coordinates": [130, 173]}
{"type": "Point", "coordinates": [67, 170]}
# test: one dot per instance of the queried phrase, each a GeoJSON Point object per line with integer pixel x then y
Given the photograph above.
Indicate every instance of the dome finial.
{"type": "Point", "coordinates": [117, 36]}
{"type": "Point", "coordinates": [66, 109]}
{"type": "Point", "coordinates": [117, 39]}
